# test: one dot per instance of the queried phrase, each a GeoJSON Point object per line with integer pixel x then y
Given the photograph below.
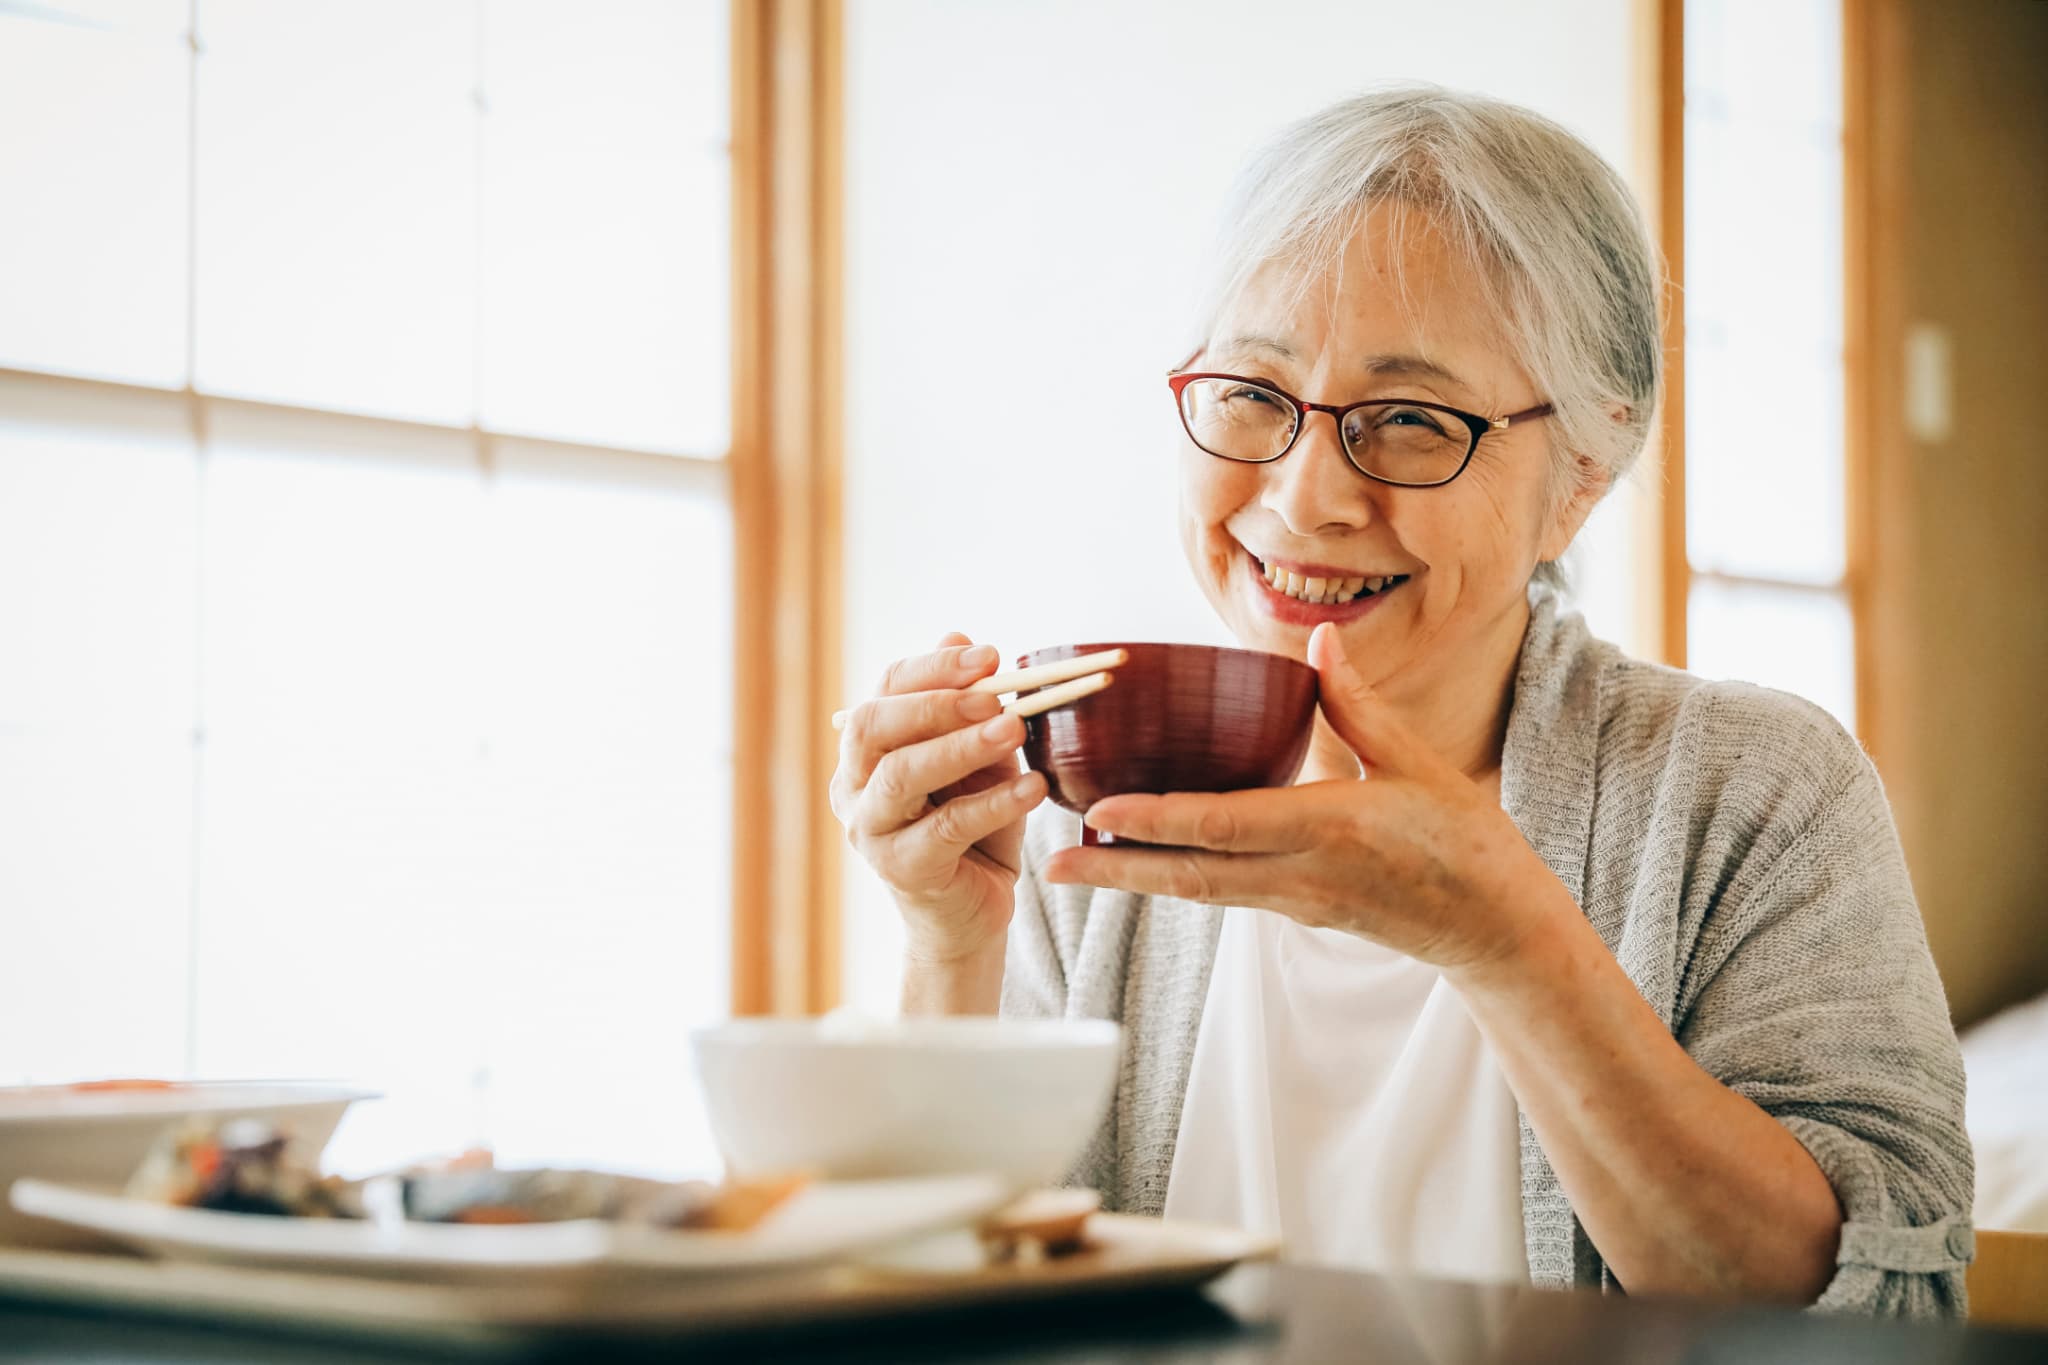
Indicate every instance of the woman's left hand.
{"type": "Point", "coordinates": [1414, 855]}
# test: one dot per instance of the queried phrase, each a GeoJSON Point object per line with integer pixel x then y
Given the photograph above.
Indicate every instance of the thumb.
{"type": "Point", "coordinates": [1359, 715]}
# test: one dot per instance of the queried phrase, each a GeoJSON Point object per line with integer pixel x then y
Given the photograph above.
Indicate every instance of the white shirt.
{"type": "Point", "coordinates": [1342, 1100]}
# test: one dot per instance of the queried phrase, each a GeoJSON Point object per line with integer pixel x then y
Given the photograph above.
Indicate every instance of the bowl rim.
{"type": "Point", "coordinates": [935, 1033]}
{"type": "Point", "coordinates": [63, 1103]}
{"type": "Point", "coordinates": [1097, 646]}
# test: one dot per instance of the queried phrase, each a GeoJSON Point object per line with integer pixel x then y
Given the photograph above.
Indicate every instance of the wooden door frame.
{"type": "Point", "coordinates": [1877, 475]}
{"type": "Point", "coordinates": [1674, 569]}
{"type": "Point", "coordinates": [786, 477]}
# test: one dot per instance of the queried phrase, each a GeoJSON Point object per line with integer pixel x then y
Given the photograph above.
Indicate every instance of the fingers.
{"type": "Point", "coordinates": [981, 779]}
{"type": "Point", "coordinates": [1184, 874]}
{"type": "Point", "coordinates": [1361, 718]}
{"type": "Point", "coordinates": [903, 780]}
{"type": "Point", "coordinates": [1275, 820]}
{"type": "Point", "coordinates": [954, 664]}
{"type": "Point", "coordinates": [932, 845]}
{"type": "Point", "coordinates": [928, 773]}
{"type": "Point", "coordinates": [880, 726]}
{"type": "Point", "coordinates": [923, 733]}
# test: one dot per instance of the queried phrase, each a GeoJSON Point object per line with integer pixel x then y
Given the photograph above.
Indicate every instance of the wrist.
{"type": "Point", "coordinates": [935, 950]}
{"type": "Point", "coordinates": [1538, 948]}
{"type": "Point", "coordinates": [958, 982]}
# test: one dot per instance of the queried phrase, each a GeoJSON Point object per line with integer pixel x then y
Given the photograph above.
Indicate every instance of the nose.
{"type": "Point", "coordinates": [1313, 488]}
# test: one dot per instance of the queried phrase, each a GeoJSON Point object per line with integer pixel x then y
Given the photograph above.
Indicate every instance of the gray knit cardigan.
{"type": "Point", "coordinates": [1733, 847]}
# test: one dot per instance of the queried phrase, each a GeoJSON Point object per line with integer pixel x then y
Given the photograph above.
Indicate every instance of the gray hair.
{"type": "Point", "coordinates": [1565, 258]}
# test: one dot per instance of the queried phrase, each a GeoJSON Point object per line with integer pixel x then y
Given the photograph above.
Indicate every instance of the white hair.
{"type": "Point", "coordinates": [1561, 246]}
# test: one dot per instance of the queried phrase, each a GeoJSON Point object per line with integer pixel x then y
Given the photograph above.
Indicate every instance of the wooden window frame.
{"type": "Point", "coordinates": [786, 481]}
{"type": "Point", "coordinates": [1867, 191]}
{"type": "Point", "coordinates": [782, 474]}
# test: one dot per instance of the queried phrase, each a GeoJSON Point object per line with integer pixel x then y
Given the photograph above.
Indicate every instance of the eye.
{"type": "Point", "coordinates": [1246, 393]}
{"type": "Point", "coordinates": [1409, 417]}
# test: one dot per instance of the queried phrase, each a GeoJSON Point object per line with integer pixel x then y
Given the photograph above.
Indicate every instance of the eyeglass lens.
{"type": "Point", "coordinates": [1397, 442]}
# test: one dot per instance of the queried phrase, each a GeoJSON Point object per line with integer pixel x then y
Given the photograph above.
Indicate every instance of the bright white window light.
{"type": "Point", "coordinates": [1765, 409]}
{"type": "Point", "coordinates": [94, 165]}
{"type": "Point", "coordinates": [335, 745]}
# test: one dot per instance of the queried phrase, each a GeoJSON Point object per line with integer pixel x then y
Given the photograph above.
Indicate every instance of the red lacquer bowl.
{"type": "Point", "coordinates": [1177, 718]}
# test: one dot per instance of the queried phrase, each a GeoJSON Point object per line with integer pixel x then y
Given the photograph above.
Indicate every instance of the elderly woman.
{"type": "Point", "coordinates": [1554, 965]}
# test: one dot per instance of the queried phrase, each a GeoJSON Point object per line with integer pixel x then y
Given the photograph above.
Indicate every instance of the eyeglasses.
{"type": "Point", "coordinates": [1404, 441]}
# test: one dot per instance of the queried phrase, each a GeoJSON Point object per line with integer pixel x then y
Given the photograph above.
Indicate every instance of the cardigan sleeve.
{"type": "Point", "coordinates": [1811, 992]}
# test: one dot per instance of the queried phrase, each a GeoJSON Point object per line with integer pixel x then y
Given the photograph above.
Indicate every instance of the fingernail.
{"type": "Point", "coordinates": [981, 656]}
{"type": "Point", "coordinates": [979, 706]}
{"type": "Point", "coordinates": [998, 729]}
{"type": "Point", "coordinates": [1025, 787]}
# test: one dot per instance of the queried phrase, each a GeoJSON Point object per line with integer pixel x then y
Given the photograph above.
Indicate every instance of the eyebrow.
{"type": "Point", "coordinates": [1386, 365]}
{"type": "Point", "coordinates": [1409, 367]}
{"type": "Point", "coordinates": [1256, 341]}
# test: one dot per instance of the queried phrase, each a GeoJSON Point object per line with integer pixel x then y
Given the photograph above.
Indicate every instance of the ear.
{"type": "Point", "coordinates": [1587, 483]}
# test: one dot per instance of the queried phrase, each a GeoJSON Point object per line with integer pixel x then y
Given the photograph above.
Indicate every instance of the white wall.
{"type": "Point", "coordinates": [1028, 188]}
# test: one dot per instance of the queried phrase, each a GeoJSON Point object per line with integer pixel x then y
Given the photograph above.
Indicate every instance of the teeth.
{"type": "Point", "coordinates": [1324, 591]}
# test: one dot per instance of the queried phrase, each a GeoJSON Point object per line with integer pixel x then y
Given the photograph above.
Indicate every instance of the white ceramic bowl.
{"type": "Point", "coordinates": [863, 1099]}
{"type": "Point", "coordinates": [99, 1137]}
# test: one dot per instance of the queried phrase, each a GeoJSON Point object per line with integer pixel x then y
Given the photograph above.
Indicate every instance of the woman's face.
{"type": "Point", "coordinates": [1460, 555]}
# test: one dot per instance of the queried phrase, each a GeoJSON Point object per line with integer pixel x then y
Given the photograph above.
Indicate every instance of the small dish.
{"type": "Point", "coordinates": [855, 1098]}
{"type": "Point", "coordinates": [98, 1133]}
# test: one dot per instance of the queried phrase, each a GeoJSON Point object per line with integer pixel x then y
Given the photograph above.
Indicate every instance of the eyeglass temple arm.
{"type": "Point", "coordinates": [1526, 414]}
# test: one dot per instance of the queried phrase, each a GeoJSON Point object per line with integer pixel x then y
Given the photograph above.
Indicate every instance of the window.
{"type": "Point", "coordinates": [1764, 534]}
{"type": "Point", "coordinates": [366, 546]}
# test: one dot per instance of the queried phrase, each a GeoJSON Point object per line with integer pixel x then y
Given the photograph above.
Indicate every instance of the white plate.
{"type": "Point", "coordinates": [99, 1137]}
{"type": "Point", "coordinates": [1130, 1255]}
{"type": "Point", "coordinates": [819, 1223]}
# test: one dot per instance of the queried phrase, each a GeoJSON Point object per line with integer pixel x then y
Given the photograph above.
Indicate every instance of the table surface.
{"type": "Point", "coordinates": [1256, 1314]}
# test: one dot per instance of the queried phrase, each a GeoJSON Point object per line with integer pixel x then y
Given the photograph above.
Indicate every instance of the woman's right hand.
{"type": "Point", "coordinates": [933, 797]}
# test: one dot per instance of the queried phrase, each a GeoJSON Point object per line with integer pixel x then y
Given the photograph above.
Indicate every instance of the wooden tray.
{"type": "Point", "coordinates": [1126, 1255]}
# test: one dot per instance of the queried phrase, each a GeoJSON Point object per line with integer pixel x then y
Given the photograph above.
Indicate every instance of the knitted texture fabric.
{"type": "Point", "coordinates": [1734, 848]}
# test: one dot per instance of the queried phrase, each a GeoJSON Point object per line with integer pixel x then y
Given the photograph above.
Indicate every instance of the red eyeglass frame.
{"type": "Point", "coordinates": [1177, 380]}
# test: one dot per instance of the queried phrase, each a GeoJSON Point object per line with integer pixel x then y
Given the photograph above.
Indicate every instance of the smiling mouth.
{"type": "Point", "coordinates": [1326, 591]}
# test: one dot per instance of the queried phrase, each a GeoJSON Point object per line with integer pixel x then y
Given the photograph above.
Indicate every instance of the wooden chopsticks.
{"type": "Point", "coordinates": [1059, 694]}
{"type": "Point", "coordinates": [1045, 675]}
{"type": "Point", "coordinates": [1058, 683]}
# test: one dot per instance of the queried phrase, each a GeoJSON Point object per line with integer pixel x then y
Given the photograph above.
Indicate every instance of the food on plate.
{"type": "Point", "coordinates": [485, 1194]}
{"type": "Point", "coordinates": [1041, 1226]}
{"type": "Point", "coordinates": [246, 1166]}
{"type": "Point", "coordinates": [732, 1207]}
{"type": "Point", "coordinates": [124, 1083]}
{"type": "Point", "coordinates": [241, 1166]}
{"type": "Point", "coordinates": [489, 1195]}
